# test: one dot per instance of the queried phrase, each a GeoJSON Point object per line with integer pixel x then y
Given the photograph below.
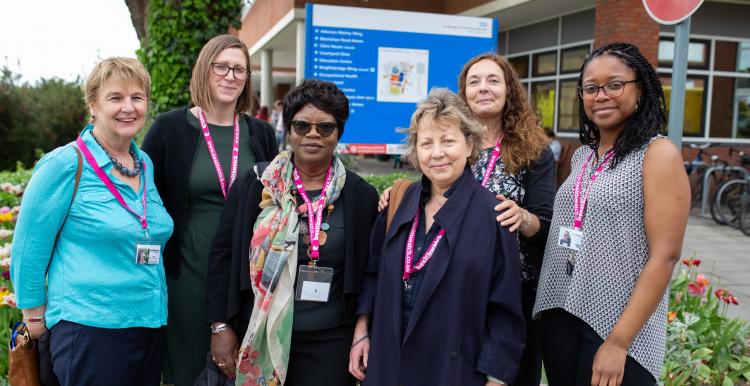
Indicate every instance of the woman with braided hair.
{"type": "Point", "coordinates": [602, 295]}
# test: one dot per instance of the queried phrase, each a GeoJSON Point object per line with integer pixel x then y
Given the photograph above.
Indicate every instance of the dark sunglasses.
{"type": "Point", "coordinates": [325, 129]}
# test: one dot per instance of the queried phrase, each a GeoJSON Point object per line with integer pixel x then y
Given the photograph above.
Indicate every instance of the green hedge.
{"type": "Point", "coordinates": [176, 31]}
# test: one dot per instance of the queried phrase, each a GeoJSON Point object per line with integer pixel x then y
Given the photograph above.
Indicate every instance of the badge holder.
{"type": "Point", "coordinates": [572, 240]}
{"type": "Point", "coordinates": [314, 283]}
{"type": "Point", "coordinates": [146, 252]}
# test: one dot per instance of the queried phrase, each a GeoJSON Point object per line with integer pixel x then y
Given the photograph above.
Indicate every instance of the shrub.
{"type": "Point", "coordinates": [37, 118]}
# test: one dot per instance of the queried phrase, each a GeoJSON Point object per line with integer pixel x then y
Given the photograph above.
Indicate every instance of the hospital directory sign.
{"type": "Point", "coordinates": [386, 61]}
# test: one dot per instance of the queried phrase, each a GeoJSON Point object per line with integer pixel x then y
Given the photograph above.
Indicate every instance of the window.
{"type": "Point", "coordinates": [698, 53]}
{"type": "Point", "coordinates": [521, 65]}
{"type": "Point", "coordinates": [743, 59]}
{"type": "Point", "coordinates": [544, 63]}
{"type": "Point", "coordinates": [695, 103]}
{"type": "Point", "coordinates": [730, 107]}
{"type": "Point", "coordinates": [571, 59]}
{"type": "Point", "coordinates": [567, 118]}
{"type": "Point", "coordinates": [543, 101]}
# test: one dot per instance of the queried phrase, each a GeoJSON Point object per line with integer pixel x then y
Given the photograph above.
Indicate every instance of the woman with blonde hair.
{"type": "Point", "coordinates": [443, 268]}
{"type": "Point", "coordinates": [198, 152]}
{"type": "Point", "coordinates": [90, 209]}
{"type": "Point", "coordinates": [517, 166]}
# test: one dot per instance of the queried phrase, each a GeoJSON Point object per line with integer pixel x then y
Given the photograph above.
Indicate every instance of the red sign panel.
{"type": "Point", "coordinates": [671, 11]}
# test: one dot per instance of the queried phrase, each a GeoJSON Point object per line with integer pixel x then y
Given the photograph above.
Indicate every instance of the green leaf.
{"type": "Point", "coordinates": [727, 382]}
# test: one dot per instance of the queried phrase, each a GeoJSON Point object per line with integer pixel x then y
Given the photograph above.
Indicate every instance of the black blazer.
{"type": "Point", "coordinates": [172, 144]}
{"type": "Point", "coordinates": [229, 293]}
{"type": "Point", "coordinates": [467, 321]}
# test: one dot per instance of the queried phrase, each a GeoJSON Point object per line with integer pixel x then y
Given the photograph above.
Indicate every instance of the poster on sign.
{"type": "Point", "coordinates": [386, 61]}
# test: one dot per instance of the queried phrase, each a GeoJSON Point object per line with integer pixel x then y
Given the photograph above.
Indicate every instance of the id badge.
{"type": "Point", "coordinates": [147, 254]}
{"type": "Point", "coordinates": [570, 238]}
{"type": "Point", "coordinates": [314, 283]}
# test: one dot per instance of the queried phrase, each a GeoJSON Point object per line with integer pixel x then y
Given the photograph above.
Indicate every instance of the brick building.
{"type": "Point", "coordinates": [546, 41]}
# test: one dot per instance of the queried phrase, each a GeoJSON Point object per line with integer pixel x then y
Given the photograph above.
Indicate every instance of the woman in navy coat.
{"type": "Point", "coordinates": [441, 297]}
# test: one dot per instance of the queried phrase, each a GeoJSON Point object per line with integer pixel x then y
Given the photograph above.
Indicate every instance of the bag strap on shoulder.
{"type": "Point", "coordinates": [400, 186]}
{"type": "Point", "coordinates": [79, 169]}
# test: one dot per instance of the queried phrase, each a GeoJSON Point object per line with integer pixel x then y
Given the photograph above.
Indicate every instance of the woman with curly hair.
{"type": "Point", "coordinates": [517, 166]}
{"type": "Point", "coordinates": [603, 293]}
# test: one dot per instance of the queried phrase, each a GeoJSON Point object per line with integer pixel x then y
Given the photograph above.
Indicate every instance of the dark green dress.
{"type": "Point", "coordinates": [188, 337]}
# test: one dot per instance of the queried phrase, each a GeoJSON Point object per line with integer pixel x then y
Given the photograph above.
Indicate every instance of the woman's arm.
{"type": "Point", "coordinates": [43, 211]}
{"type": "Point", "coordinates": [666, 195]}
{"type": "Point", "coordinates": [359, 352]}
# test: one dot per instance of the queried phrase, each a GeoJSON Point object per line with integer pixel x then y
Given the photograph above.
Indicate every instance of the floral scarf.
{"type": "Point", "coordinates": [264, 354]}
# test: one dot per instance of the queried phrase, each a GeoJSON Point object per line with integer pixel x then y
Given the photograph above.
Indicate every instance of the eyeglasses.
{"type": "Point", "coordinates": [222, 69]}
{"type": "Point", "coordinates": [325, 129]}
{"type": "Point", "coordinates": [611, 89]}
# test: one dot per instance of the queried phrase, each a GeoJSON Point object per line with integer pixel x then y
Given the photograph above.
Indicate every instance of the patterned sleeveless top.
{"type": "Point", "coordinates": [613, 254]}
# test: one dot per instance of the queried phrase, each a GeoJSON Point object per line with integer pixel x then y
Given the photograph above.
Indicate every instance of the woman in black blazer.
{"type": "Point", "coordinates": [269, 275]}
{"type": "Point", "coordinates": [195, 163]}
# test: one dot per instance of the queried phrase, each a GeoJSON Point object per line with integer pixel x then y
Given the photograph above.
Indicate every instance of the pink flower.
{"type": "Point", "coordinates": [696, 290]}
{"type": "Point", "coordinates": [701, 280]}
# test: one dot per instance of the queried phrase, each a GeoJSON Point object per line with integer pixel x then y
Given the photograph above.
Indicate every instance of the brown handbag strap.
{"type": "Point", "coordinates": [75, 189]}
{"type": "Point", "coordinates": [397, 194]}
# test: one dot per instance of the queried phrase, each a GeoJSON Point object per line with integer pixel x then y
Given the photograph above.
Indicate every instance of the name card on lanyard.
{"type": "Point", "coordinates": [214, 155]}
{"type": "Point", "coordinates": [146, 252]}
{"type": "Point", "coordinates": [313, 282]}
{"type": "Point", "coordinates": [572, 237]}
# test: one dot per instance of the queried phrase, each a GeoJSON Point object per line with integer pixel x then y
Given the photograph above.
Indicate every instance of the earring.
{"type": "Point", "coordinates": [636, 106]}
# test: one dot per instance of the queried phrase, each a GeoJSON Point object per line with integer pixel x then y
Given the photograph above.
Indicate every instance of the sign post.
{"type": "Point", "coordinates": [669, 12]}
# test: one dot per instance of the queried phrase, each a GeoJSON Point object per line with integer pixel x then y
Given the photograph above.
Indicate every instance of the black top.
{"type": "Point", "coordinates": [229, 292]}
{"type": "Point", "coordinates": [322, 315]}
{"type": "Point", "coordinates": [172, 144]}
{"type": "Point", "coordinates": [422, 238]}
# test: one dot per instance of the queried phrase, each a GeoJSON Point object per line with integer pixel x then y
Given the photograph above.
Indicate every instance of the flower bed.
{"type": "Point", "coordinates": [704, 346]}
{"type": "Point", "coordinates": [12, 185]}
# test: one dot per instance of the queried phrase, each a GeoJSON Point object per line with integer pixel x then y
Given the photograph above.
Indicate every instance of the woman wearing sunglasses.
{"type": "Point", "coordinates": [307, 220]}
{"type": "Point", "coordinates": [197, 154]}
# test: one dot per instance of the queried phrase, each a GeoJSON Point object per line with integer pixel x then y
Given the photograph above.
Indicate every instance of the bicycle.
{"type": "Point", "coordinates": [727, 206]}
{"type": "Point", "coordinates": [697, 169]}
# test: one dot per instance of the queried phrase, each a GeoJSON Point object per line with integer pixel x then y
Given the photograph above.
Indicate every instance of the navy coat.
{"type": "Point", "coordinates": [467, 321]}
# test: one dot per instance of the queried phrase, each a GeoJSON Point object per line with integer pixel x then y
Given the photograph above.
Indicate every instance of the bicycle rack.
{"type": "Point", "coordinates": [705, 196]}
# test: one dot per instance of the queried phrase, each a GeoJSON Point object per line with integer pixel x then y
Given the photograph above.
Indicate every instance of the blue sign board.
{"type": "Point", "coordinates": [386, 61]}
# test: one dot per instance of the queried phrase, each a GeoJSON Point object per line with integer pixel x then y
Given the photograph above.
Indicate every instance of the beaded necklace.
{"type": "Point", "coordinates": [117, 164]}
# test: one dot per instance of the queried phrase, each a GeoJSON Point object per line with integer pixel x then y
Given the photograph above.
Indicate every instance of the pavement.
{"type": "Point", "coordinates": [724, 251]}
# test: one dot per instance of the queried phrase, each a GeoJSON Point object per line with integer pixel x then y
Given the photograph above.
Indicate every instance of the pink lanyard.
{"type": "Point", "coordinates": [579, 203]}
{"type": "Point", "coordinates": [111, 186]}
{"type": "Point", "coordinates": [409, 252]}
{"type": "Point", "coordinates": [491, 164]}
{"type": "Point", "coordinates": [313, 219]}
{"type": "Point", "coordinates": [214, 155]}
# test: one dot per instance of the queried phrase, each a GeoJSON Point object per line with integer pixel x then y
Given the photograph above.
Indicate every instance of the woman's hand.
{"type": "Point", "coordinates": [224, 351]}
{"type": "Point", "coordinates": [383, 202]}
{"type": "Point", "coordinates": [360, 350]}
{"type": "Point", "coordinates": [36, 330]}
{"type": "Point", "coordinates": [512, 215]}
{"type": "Point", "coordinates": [609, 365]}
